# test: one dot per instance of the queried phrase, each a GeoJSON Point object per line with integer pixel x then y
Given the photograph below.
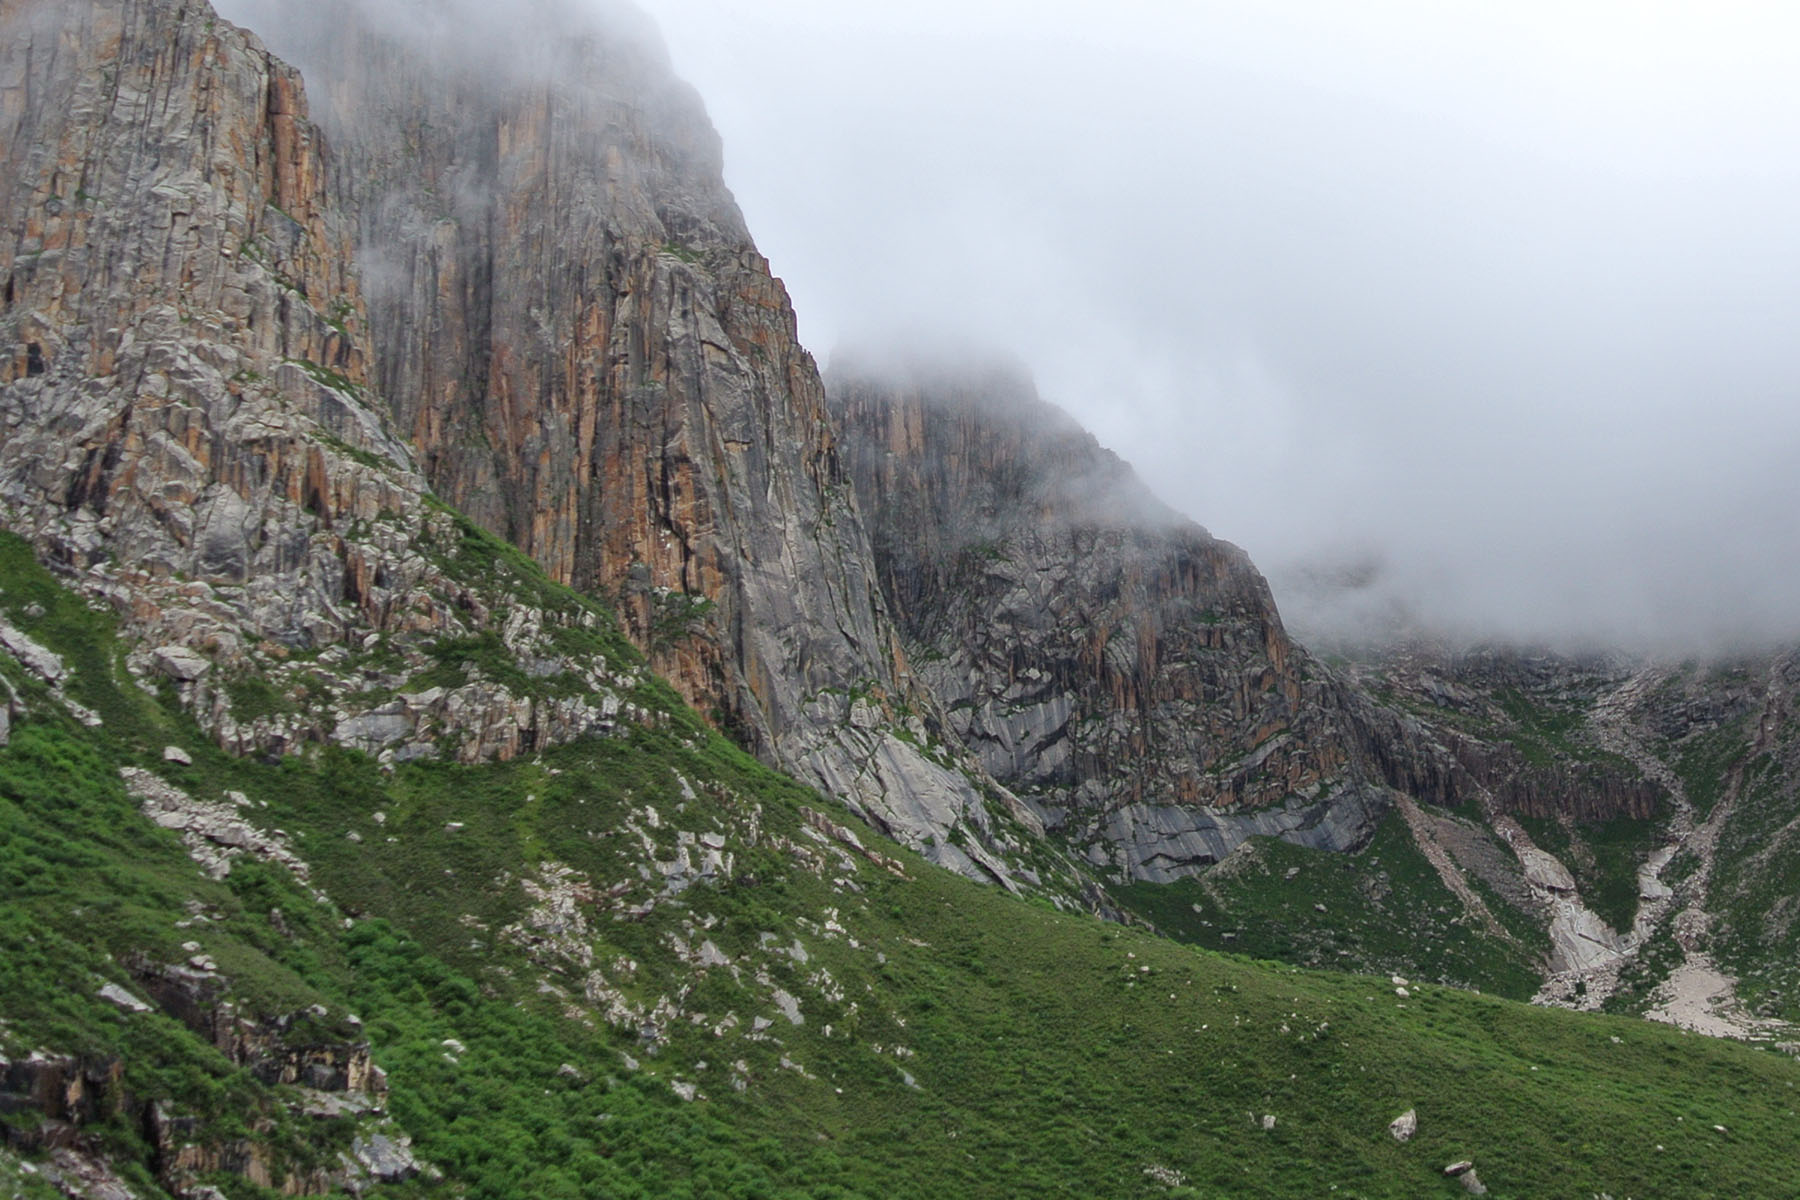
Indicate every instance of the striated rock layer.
{"type": "Point", "coordinates": [517, 253]}
{"type": "Point", "coordinates": [576, 332]}
{"type": "Point", "coordinates": [186, 422]}
{"type": "Point", "coordinates": [1110, 661]}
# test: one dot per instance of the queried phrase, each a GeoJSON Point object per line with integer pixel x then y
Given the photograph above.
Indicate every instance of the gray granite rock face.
{"type": "Point", "coordinates": [233, 359]}
{"type": "Point", "coordinates": [188, 427]}
{"type": "Point", "coordinates": [1112, 663]}
{"type": "Point", "coordinates": [578, 336]}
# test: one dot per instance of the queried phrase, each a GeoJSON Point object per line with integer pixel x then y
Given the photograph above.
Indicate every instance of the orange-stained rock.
{"type": "Point", "coordinates": [186, 424]}
{"type": "Point", "coordinates": [570, 322]}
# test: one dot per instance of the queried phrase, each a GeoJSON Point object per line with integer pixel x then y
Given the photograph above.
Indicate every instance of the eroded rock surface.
{"type": "Point", "coordinates": [187, 427]}
{"type": "Point", "coordinates": [1110, 661]}
{"type": "Point", "coordinates": [577, 334]}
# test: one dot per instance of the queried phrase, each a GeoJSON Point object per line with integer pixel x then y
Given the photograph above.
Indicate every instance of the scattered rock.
{"type": "Point", "coordinates": [1457, 1168]}
{"type": "Point", "coordinates": [41, 662]}
{"type": "Point", "coordinates": [387, 1159]}
{"type": "Point", "coordinates": [1268, 1122]}
{"type": "Point", "coordinates": [114, 994]}
{"type": "Point", "coordinates": [1404, 1125]}
{"type": "Point", "coordinates": [1167, 1176]}
{"type": "Point", "coordinates": [789, 1006]}
{"type": "Point", "coordinates": [214, 833]}
{"type": "Point", "coordinates": [176, 754]}
{"type": "Point", "coordinates": [180, 664]}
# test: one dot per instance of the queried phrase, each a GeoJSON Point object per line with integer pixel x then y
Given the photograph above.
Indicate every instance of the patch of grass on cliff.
{"type": "Point", "coordinates": [1704, 763]}
{"type": "Point", "coordinates": [1753, 891]}
{"type": "Point", "coordinates": [676, 616]}
{"type": "Point", "coordinates": [24, 1183]}
{"type": "Point", "coordinates": [1385, 910]}
{"type": "Point", "coordinates": [1640, 977]}
{"type": "Point", "coordinates": [252, 696]}
{"type": "Point", "coordinates": [367, 458]}
{"type": "Point", "coordinates": [1546, 733]}
{"type": "Point", "coordinates": [337, 381]}
{"type": "Point", "coordinates": [484, 652]}
{"type": "Point", "coordinates": [479, 559]}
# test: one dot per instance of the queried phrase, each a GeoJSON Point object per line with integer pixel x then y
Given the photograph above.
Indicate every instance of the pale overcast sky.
{"type": "Point", "coordinates": [1505, 295]}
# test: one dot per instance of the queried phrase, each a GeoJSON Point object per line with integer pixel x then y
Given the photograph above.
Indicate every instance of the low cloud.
{"type": "Point", "coordinates": [1502, 302]}
{"type": "Point", "coordinates": [1490, 310]}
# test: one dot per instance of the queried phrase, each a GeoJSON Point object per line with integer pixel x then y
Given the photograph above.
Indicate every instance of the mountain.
{"type": "Point", "coordinates": [350, 843]}
{"type": "Point", "coordinates": [190, 431]}
{"type": "Point", "coordinates": [577, 334]}
{"type": "Point", "coordinates": [1114, 665]}
{"type": "Point", "coordinates": [566, 319]}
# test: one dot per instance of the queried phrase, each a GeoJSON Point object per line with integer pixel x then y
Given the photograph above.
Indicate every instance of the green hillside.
{"type": "Point", "coordinates": [648, 966]}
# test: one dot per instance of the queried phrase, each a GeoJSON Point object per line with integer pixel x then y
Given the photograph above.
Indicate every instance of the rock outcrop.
{"type": "Point", "coordinates": [1112, 663]}
{"type": "Point", "coordinates": [1512, 721]}
{"type": "Point", "coordinates": [574, 329]}
{"type": "Point", "coordinates": [64, 1096]}
{"type": "Point", "coordinates": [187, 427]}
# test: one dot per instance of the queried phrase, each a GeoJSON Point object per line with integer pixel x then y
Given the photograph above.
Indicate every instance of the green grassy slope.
{"type": "Point", "coordinates": [1383, 909]}
{"type": "Point", "coordinates": [545, 963]}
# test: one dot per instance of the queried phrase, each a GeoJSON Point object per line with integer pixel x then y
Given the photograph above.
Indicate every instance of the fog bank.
{"type": "Point", "coordinates": [1481, 318]}
{"type": "Point", "coordinates": [1494, 308]}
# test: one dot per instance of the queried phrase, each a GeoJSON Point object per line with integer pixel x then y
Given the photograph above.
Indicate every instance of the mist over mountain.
{"type": "Point", "coordinates": [483, 715]}
{"type": "Point", "coordinates": [1499, 300]}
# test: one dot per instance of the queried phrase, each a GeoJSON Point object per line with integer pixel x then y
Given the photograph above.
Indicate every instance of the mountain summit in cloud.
{"type": "Point", "coordinates": [1503, 296]}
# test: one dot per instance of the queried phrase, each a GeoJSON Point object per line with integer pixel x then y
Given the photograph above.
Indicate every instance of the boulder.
{"type": "Point", "coordinates": [114, 994]}
{"type": "Point", "coordinates": [180, 664]}
{"type": "Point", "coordinates": [387, 1159]}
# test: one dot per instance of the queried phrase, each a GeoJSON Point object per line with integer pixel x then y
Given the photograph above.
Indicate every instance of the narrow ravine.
{"type": "Point", "coordinates": [1697, 995]}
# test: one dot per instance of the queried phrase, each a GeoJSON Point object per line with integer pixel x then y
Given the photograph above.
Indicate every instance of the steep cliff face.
{"type": "Point", "coordinates": [1111, 662]}
{"type": "Point", "coordinates": [188, 424]}
{"type": "Point", "coordinates": [1513, 722]}
{"type": "Point", "coordinates": [570, 325]}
